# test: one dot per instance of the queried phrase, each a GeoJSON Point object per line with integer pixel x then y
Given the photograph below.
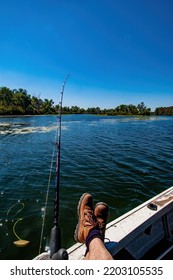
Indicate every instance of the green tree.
{"type": "Point", "coordinates": [132, 109]}
{"type": "Point", "coordinates": [6, 96]}
{"type": "Point", "coordinates": [47, 106]}
{"type": "Point", "coordinates": [122, 109]}
{"type": "Point", "coordinates": [167, 111]}
{"type": "Point", "coordinates": [66, 110]}
{"type": "Point", "coordinates": [36, 104]}
{"type": "Point", "coordinates": [21, 102]}
{"type": "Point", "coordinates": [75, 110]}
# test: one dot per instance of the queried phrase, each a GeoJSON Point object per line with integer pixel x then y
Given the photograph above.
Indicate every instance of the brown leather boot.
{"type": "Point", "coordinates": [87, 220]}
{"type": "Point", "coordinates": [101, 213]}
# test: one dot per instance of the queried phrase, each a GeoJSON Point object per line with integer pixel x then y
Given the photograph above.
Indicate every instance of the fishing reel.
{"type": "Point", "coordinates": [60, 255]}
{"type": "Point", "coordinates": [56, 252]}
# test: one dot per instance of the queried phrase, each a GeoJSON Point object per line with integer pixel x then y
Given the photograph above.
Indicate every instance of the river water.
{"type": "Point", "coordinates": [120, 160]}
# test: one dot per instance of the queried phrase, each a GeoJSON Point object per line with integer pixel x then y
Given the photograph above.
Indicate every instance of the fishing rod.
{"type": "Point", "coordinates": [56, 252]}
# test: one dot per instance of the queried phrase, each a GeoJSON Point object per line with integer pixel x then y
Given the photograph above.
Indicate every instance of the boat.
{"type": "Point", "coordinates": [144, 233]}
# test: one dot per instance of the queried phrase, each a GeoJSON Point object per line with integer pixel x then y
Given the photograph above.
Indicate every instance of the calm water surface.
{"type": "Point", "coordinates": [120, 160]}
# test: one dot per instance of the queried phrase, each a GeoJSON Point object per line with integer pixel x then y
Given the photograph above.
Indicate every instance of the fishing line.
{"type": "Point", "coordinates": [47, 195]}
{"type": "Point", "coordinates": [23, 205]}
{"type": "Point", "coordinates": [20, 219]}
{"type": "Point", "coordinates": [20, 242]}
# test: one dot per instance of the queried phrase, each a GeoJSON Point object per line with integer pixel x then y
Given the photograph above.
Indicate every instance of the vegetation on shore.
{"type": "Point", "coordinates": [19, 102]}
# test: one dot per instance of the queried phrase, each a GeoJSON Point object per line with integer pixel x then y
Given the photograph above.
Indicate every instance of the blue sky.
{"type": "Point", "coordinates": [116, 51]}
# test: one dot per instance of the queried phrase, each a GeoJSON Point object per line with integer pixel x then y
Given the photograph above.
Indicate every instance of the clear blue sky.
{"type": "Point", "coordinates": [117, 51]}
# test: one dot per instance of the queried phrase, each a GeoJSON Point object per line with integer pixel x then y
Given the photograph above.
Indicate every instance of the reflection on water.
{"type": "Point", "coordinates": [120, 160]}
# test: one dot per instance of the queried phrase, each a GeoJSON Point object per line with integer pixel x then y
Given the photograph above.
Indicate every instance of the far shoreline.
{"type": "Point", "coordinates": [106, 115]}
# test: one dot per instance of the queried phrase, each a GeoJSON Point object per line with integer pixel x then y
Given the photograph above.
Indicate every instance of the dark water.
{"type": "Point", "coordinates": [120, 160]}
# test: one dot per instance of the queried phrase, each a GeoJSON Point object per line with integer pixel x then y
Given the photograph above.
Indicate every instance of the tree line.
{"type": "Point", "coordinates": [164, 111]}
{"type": "Point", "coordinates": [19, 102]}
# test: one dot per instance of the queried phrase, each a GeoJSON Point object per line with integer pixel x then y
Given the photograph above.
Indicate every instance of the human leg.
{"type": "Point", "coordinates": [98, 251]}
{"type": "Point", "coordinates": [91, 228]}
